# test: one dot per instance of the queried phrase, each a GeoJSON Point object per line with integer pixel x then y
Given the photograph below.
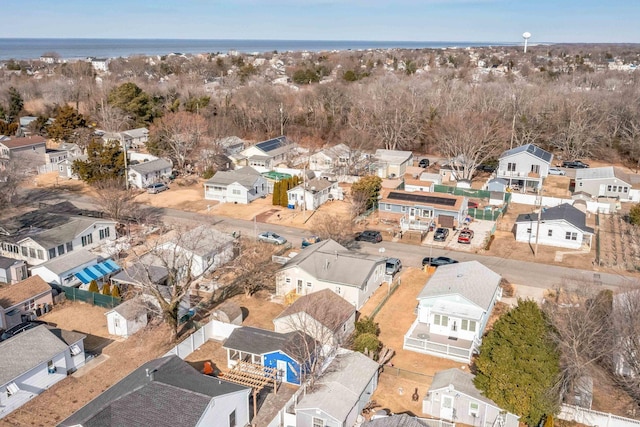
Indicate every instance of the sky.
{"type": "Point", "coordinates": [556, 21]}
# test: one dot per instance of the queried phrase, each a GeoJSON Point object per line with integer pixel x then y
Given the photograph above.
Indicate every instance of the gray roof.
{"type": "Point", "coordinates": [337, 151]}
{"type": "Point", "coordinates": [152, 166]}
{"type": "Point", "coordinates": [67, 337]}
{"type": "Point", "coordinates": [275, 146]}
{"type": "Point", "coordinates": [69, 261]}
{"type": "Point", "coordinates": [139, 273]}
{"type": "Point", "coordinates": [175, 395]}
{"type": "Point", "coordinates": [27, 350]}
{"type": "Point", "coordinates": [398, 420]}
{"type": "Point", "coordinates": [531, 149]}
{"type": "Point", "coordinates": [262, 341]}
{"type": "Point", "coordinates": [461, 381]}
{"type": "Point", "coordinates": [130, 309]}
{"type": "Point", "coordinates": [315, 185]}
{"type": "Point", "coordinates": [603, 173]}
{"type": "Point", "coordinates": [331, 262]}
{"type": "Point", "coordinates": [565, 211]}
{"type": "Point", "coordinates": [325, 306]}
{"type": "Point", "coordinates": [204, 240]}
{"type": "Point", "coordinates": [340, 388]}
{"type": "Point", "coordinates": [471, 280]}
{"type": "Point", "coordinates": [8, 262]}
{"type": "Point", "coordinates": [395, 156]}
{"type": "Point", "coordinates": [246, 176]}
{"type": "Point", "coordinates": [137, 133]}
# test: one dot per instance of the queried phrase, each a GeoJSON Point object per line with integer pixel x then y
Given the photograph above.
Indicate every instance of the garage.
{"type": "Point", "coordinates": [447, 221]}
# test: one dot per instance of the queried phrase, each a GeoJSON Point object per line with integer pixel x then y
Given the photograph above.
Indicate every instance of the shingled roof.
{"type": "Point", "coordinates": [325, 306]}
{"type": "Point", "coordinates": [261, 341]}
{"type": "Point", "coordinates": [565, 211]}
{"type": "Point", "coordinates": [22, 291]}
{"type": "Point", "coordinates": [531, 149]}
{"type": "Point", "coordinates": [246, 176]}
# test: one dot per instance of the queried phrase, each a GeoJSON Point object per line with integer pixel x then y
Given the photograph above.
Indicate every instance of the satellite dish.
{"type": "Point", "coordinates": [526, 35]}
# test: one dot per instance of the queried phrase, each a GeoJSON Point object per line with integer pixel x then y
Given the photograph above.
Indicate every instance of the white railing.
{"type": "Point", "coordinates": [594, 418]}
{"type": "Point", "coordinates": [437, 349]}
{"type": "Point", "coordinates": [214, 330]}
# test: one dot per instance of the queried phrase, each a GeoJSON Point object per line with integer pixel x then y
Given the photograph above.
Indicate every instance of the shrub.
{"type": "Point", "coordinates": [366, 325]}
{"type": "Point", "coordinates": [106, 289]}
{"type": "Point", "coordinates": [93, 287]}
{"type": "Point", "coordinates": [115, 291]}
{"type": "Point", "coordinates": [208, 173]}
{"type": "Point", "coordinates": [366, 342]}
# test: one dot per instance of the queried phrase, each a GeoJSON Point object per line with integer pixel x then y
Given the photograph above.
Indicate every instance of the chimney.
{"type": "Point", "coordinates": [150, 373]}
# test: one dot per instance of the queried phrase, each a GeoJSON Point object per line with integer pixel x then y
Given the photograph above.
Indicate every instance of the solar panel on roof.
{"type": "Point", "coordinates": [271, 144]}
{"type": "Point", "coordinates": [419, 198]}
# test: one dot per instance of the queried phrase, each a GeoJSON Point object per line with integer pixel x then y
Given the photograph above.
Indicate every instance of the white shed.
{"type": "Point", "coordinates": [127, 318]}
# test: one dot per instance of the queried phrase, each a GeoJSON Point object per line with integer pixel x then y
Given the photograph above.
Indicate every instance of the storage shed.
{"type": "Point", "coordinates": [228, 312]}
{"type": "Point", "coordinates": [127, 318]}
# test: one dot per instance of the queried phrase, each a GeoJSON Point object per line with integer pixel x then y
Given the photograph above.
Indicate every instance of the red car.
{"type": "Point", "coordinates": [465, 236]}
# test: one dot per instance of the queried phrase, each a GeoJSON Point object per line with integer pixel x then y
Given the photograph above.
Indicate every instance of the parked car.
{"type": "Point", "coordinates": [556, 171]}
{"type": "Point", "coordinates": [441, 234]}
{"type": "Point", "coordinates": [308, 241]}
{"type": "Point", "coordinates": [271, 237]}
{"type": "Point", "coordinates": [486, 168]}
{"type": "Point", "coordinates": [473, 205]}
{"type": "Point", "coordinates": [424, 163]}
{"type": "Point", "coordinates": [156, 188]}
{"type": "Point", "coordinates": [437, 262]}
{"type": "Point", "coordinates": [575, 164]}
{"type": "Point", "coordinates": [394, 265]}
{"type": "Point", "coordinates": [20, 327]}
{"type": "Point", "coordinates": [465, 236]}
{"type": "Point", "coordinates": [369, 236]}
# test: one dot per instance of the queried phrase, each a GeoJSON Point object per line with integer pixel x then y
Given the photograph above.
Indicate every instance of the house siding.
{"type": "Point", "coordinates": [219, 409]}
{"type": "Point", "coordinates": [322, 334]}
{"type": "Point", "coordinates": [66, 278]}
{"type": "Point", "coordinates": [558, 230]}
{"type": "Point", "coordinates": [524, 163]}
{"type": "Point", "coordinates": [304, 418]}
{"type": "Point", "coordinates": [390, 211]}
{"type": "Point", "coordinates": [143, 180]}
{"type": "Point", "coordinates": [293, 374]}
{"type": "Point", "coordinates": [23, 308]}
{"type": "Point", "coordinates": [225, 193]}
{"type": "Point", "coordinates": [603, 187]}
{"type": "Point", "coordinates": [487, 413]}
{"type": "Point", "coordinates": [120, 326]}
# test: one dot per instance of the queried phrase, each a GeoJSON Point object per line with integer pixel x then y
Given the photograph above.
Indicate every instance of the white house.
{"type": "Point", "coordinates": [33, 361]}
{"type": "Point", "coordinates": [392, 163]}
{"type": "Point", "coordinates": [328, 265]}
{"type": "Point", "coordinates": [323, 315]}
{"type": "Point", "coordinates": [100, 64]}
{"type": "Point", "coordinates": [453, 310]}
{"type": "Point", "coordinates": [18, 302]}
{"type": "Point", "coordinates": [142, 174]}
{"type": "Point", "coordinates": [127, 318]}
{"type": "Point", "coordinates": [453, 396]}
{"type": "Point", "coordinates": [330, 158]}
{"type": "Point", "coordinates": [12, 270]}
{"type": "Point", "coordinates": [266, 155]}
{"type": "Point", "coordinates": [340, 394]}
{"type": "Point", "coordinates": [166, 392]}
{"type": "Point", "coordinates": [563, 226]}
{"type": "Point", "coordinates": [314, 193]}
{"type": "Point", "coordinates": [51, 231]}
{"type": "Point", "coordinates": [61, 270]}
{"type": "Point", "coordinates": [136, 138]}
{"type": "Point", "coordinates": [524, 167]}
{"type": "Point", "coordinates": [236, 186]}
{"type": "Point", "coordinates": [606, 181]}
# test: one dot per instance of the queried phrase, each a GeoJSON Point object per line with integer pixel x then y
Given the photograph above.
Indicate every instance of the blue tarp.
{"type": "Point", "coordinates": [98, 271]}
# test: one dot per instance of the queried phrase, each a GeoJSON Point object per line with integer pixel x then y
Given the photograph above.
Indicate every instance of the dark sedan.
{"type": "Point", "coordinates": [441, 234]}
{"type": "Point", "coordinates": [437, 262]}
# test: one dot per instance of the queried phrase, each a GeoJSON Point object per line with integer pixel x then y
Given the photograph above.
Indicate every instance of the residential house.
{"type": "Point", "coordinates": [562, 226]}
{"type": "Point", "coordinates": [290, 353]}
{"type": "Point", "coordinates": [606, 181]}
{"type": "Point", "coordinates": [166, 392]}
{"type": "Point", "coordinates": [52, 231]}
{"type": "Point", "coordinates": [423, 185]}
{"type": "Point", "coordinates": [236, 186]}
{"type": "Point", "coordinates": [453, 396]}
{"type": "Point", "coordinates": [341, 393]}
{"type": "Point", "coordinates": [416, 210]}
{"type": "Point", "coordinates": [127, 318]}
{"type": "Point", "coordinates": [391, 163]}
{"type": "Point", "coordinates": [396, 420]}
{"type": "Point", "coordinates": [231, 145]}
{"type": "Point", "coordinates": [18, 302]}
{"type": "Point", "coordinates": [136, 138]}
{"type": "Point", "coordinates": [142, 174]}
{"type": "Point", "coordinates": [453, 310]}
{"type": "Point", "coordinates": [266, 155]}
{"type": "Point", "coordinates": [331, 158]}
{"type": "Point", "coordinates": [33, 361]}
{"type": "Point", "coordinates": [328, 265]}
{"type": "Point", "coordinates": [65, 167]}
{"type": "Point", "coordinates": [61, 270]}
{"type": "Point", "coordinates": [28, 152]}
{"type": "Point", "coordinates": [12, 270]}
{"type": "Point", "coordinates": [323, 315]}
{"type": "Point", "coordinates": [524, 167]}
{"type": "Point", "coordinates": [314, 193]}
{"type": "Point", "coordinates": [100, 64]}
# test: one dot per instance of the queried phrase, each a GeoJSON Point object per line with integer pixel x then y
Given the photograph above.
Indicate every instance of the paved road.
{"type": "Point", "coordinates": [525, 273]}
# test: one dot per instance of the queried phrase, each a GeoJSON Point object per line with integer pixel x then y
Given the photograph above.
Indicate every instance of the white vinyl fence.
{"type": "Point", "coordinates": [548, 202]}
{"type": "Point", "coordinates": [594, 418]}
{"type": "Point", "coordinates": [214, 330]}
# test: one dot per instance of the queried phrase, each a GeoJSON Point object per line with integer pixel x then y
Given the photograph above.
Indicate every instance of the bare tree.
{"type": "Point", "coordinates": [334, 227]}
{"type": "Point", "coordinates": [10, 177]}
{"type": "Point", "coordinates": [112, 119]}
{"type": "Point", "coordinates": [626, 327]}
{"type": "Point", "coordinates": [178, 135]}
{"type": "Point", "coordinates": [253, 268]}
{"type": "Point", "coordinates": [116, 201]}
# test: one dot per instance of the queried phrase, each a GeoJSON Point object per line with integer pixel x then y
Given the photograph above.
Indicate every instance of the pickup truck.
{"type": "Point", "coordinates": [465, 236]}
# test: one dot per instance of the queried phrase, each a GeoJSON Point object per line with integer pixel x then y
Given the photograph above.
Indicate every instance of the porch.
{"type": "Point", "coordinates": [407, 223]}
{"type": "Point", "coordinates": [524, 182]}
{"type": "Point", "coordinates": [421, 340]}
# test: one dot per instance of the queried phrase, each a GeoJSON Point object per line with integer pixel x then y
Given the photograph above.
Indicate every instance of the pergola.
{"type": "Point", "coordinates": [255, 376]}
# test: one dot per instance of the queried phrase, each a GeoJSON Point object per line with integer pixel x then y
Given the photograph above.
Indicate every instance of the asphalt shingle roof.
{"type": "Point", "coordinates": [461, 381]}
{"type": "Point", "coordinates": [565, 211]}
{"type": "Point", "coordinates": [22, 291]}
{"type": "Point", "coordinates": [531, 149]}
{"type": "Point", "coordinates": [325, 306]}
{"type": "Point", "coordinates": [399, 420]}
{"type": "Point", "coordinates": [261, 341]}
{"type": "Point", "coordinates": [69, 261]}
{"type": "Point", "coordinates": [246, 176]}
{"type": "Point", "coordinates": [17, 142]}
{"type": "Point", "coordinates": [471, 280]}
{"type": "Point", "coordinates": [175, 395]}
{"type": "Point", "coordinates": [151, 166]}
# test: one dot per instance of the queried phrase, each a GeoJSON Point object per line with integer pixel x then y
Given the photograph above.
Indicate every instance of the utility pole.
{"type": "Point", "coordinates": [535, 250]}
{"type": "Point", "coordinates": [126, 173]}
{"type": "Point", "coordinates": [281, 119]}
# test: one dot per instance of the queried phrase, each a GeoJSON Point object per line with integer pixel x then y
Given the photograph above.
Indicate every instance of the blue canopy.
{"type": "Point", "coordinates": [98, 271]}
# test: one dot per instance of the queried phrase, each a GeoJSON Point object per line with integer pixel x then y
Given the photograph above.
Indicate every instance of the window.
{"type": "Point", "coordinates": [464, 324]}
{"type": "Point", "coordinates": [625, 189]}
{"type": "Point", "coordinates": [87, 240]}
{"type": "Point", "coordinates": [403, 208]}
{"type": "Point", "coordinates": [472, 326]}
{"type": "Point", "coordinates": [511, 167]}
{"type": "Point", "coordinates": [51, 368]}
{"type": "Point", "coordinates": [338, 290]}
{"type": "Point", "coordinates": [535, 169]}
{"type": "Point", "coordinates": [580, 184]}
{"type": "Point", "coordinates": [608, 188]}
{"type": "Point", "coordinates": [24, 250]}
{"type": "Point", "coordinates": [75, 350]}
{"type": "Point", "coordinates": [52, 253]}
{"type": "Point", "coordinates": [69, 246]}
{"type": "Point", "coordinates": [615, 188]}
{"type": "Point", "coordinates": [571, 236]}
{"type": "Point", "coordinates": [299, 288]}
{"type": "Point", "coordinates": [388, 207]}
{"type": "Point", "coordinates": [528, 231]}
{"type": "Point", "coordinates": [287, 280]}
{"type": "Point", "coordinates": [232, 419]}
{"type": "Point", "coordinates": [550, 233]}
{"type": "Point", "coordinates": [474, 409]}
{"type": "Point", "coordinates": [440, 320]}
{"type": "Point", "coordinates": [235, 192]}
{"type": "Point", "coordinates": [309, 284]}
{"type": "Point", "coordinates": [32, 252]}
{"type": "Point", "coordinates": [317, 422]}
{"type": "Point", "coordinates": [12, 389]}
{"type": "Point", "coordinates": [40, 253]}
{"type": "Point", "coordinates": [61, 250]}
{"type": "Point", "coordinates": [104, 233]}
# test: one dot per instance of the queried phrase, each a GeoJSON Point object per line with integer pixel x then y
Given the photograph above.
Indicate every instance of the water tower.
{"type": "Point", "coordinates": [526, 36]}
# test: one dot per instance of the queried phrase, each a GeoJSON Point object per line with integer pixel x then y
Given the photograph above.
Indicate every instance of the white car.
{"type": "Point", "coordinates": [556, 171]}
{"type": "Point", "coordinates": [270, 237]}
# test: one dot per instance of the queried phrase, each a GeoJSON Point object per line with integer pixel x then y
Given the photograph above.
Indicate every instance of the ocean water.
{"type": "Point", "coordinates": [114, 48]}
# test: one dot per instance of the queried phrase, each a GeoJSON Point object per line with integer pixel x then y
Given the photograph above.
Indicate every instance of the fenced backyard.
{"type": "Point", "coordinates": [106, 301]}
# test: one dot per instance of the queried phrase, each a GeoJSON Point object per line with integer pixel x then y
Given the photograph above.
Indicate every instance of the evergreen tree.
{"type": "Point", "coordinates": [16, 104]}
{"type": "Point", "coordinates": [518, 365]}
{"type": "Point", "coordinates": [284, 197]}
{"type": "Point", "coordinates": [275, 197]}
{"type": "Point", "coordinates": [93, 287]}
{"type": "Point", "coordinates": [115, 291]}
{"type": "Point", "coordinates": [106, 289]}
{"type": "Point", "coordinates": [134, 101]}
{"type": "Point", "coordinates": [104, 162]}
{"type": "Point", "coordinates": [367, 188]}
{"type": "Point", "coordinates": [66, 122]}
